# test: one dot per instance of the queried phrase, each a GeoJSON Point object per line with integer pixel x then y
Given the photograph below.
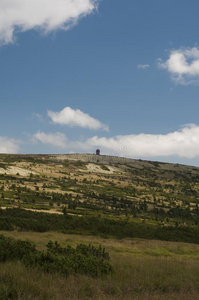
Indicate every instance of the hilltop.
{"type": "Point", "coordinates": [110, 186]}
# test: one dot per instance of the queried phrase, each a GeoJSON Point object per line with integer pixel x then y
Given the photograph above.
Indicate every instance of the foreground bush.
{"type": "Point", "coordinates": [84, 259]}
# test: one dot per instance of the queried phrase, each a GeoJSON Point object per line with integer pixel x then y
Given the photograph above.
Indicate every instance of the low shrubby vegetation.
{"type": "Point", "coordinates": [130, 207]}
{"type": "Point", "coordinates": [82, 260]}
{"type": "Point", "coordinates": [143, 270]}
{"type": "Point", "coordinates": [24, 220]}
{"type": "Point", "coordinates": [163, 193]}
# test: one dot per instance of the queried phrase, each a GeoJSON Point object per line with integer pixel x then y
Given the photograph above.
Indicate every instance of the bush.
{"type": "Point", "coordinates": [84, 259]}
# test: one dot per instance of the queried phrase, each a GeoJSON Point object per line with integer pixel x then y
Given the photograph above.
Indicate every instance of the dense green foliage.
{"type": "Point", "coordinates": [82, 260]}
{"type": "Point", "coordinates": [23, 220]}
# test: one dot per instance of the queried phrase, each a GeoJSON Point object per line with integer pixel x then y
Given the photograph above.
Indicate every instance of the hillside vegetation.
{"type": "Point", "coordinates": [58, 214]}
{"type": "Point", "coordinates": [153, 193]}
{"type": "Point", "coordinates": [143, 269]}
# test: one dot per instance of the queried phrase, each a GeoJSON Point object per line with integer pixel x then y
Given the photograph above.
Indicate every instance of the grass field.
{"type": "Point", "coordinates": [143, 269]}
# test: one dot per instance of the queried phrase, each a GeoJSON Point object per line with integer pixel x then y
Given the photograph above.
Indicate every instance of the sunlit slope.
{"type": "Point", "coordinates": [109, 186]}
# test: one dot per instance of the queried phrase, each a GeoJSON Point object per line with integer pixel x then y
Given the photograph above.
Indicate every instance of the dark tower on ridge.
{"type": "Point", "coordinates": [98, 152]}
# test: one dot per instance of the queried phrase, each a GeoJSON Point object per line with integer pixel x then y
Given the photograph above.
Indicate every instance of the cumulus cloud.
{"type": "Point", "coordinates": [8, 145]}
{"type": "Point", "coordinates": [183, 65]}
{"type": "Point", "coordinates": [44, 15]}
{"type": "Point", "coordinates": [72, 117]}
{"type": "Point", "coordinates": [54, 139]}
{"type": "Point", "coordinates": [183, 143]}
{"type": "Point", "coordinates": [143, 67]}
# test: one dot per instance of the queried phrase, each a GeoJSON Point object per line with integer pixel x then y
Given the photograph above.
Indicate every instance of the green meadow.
{"type": "Point", "coordinates": [143, 269]}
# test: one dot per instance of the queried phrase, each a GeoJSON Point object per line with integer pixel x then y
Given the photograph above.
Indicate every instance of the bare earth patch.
{"type": "Point", "coordinates": [16, 170]}
{"type": "Point", "coordinates": [50, 211]}
{"type": "Point", "coordinates": [97, 169]}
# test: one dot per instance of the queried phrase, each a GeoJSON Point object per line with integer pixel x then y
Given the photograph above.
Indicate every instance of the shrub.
{"type": "Point", "coordinates": [84, 259]}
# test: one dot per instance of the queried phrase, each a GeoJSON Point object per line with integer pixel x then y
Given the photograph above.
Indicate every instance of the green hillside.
{"type": "Point", "coordinates": [142, 191]}
{"type": "Point", "coordinates": [97, 227]}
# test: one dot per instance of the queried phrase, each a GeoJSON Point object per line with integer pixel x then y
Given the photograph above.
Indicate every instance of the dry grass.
{"type": "Point", "coordinates": [143, 270]}
{"type": "Point", "coordinates": [121, 247]}
{"type": "Point", "coordinates": [137, 279]}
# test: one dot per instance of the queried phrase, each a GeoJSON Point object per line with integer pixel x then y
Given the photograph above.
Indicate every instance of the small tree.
{"type": "Point", "coordinates": [64, 211]}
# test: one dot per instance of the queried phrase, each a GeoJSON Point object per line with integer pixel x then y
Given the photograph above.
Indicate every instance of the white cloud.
{"type": "Point", "coordinates": [54, 139]}
{"type": "Point", "coordinates": [183, 143]}
{"type": "Point", "coordinates": [143, 67]}
{"type": "Point", "coordinates": [183, 65]}
{"type": "Point", "coordinates": [8, 145]}
{"type": "Point", "coordinates": [44, 15]}
{"type": "Point", "coordinates": [69, 116]}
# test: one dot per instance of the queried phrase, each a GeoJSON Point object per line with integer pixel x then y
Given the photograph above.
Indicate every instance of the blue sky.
{"type": "Point", "coordinates": [123, 76]}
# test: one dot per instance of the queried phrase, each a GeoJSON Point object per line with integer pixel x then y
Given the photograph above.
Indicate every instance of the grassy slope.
{"type": "Point", "coordinates": [143, 270]}
{"type": "Point", "coordinates": [122, 247]}
{"type": "Point", "coordinates": [150, 190]}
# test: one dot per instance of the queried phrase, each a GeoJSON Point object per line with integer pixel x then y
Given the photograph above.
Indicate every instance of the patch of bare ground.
{"type": "Point", "coordinates": [49, 211]}
{"type": "Point", "coordinates": [106, 169]}
{"type": "Point", "coordinates": [12, 170]}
